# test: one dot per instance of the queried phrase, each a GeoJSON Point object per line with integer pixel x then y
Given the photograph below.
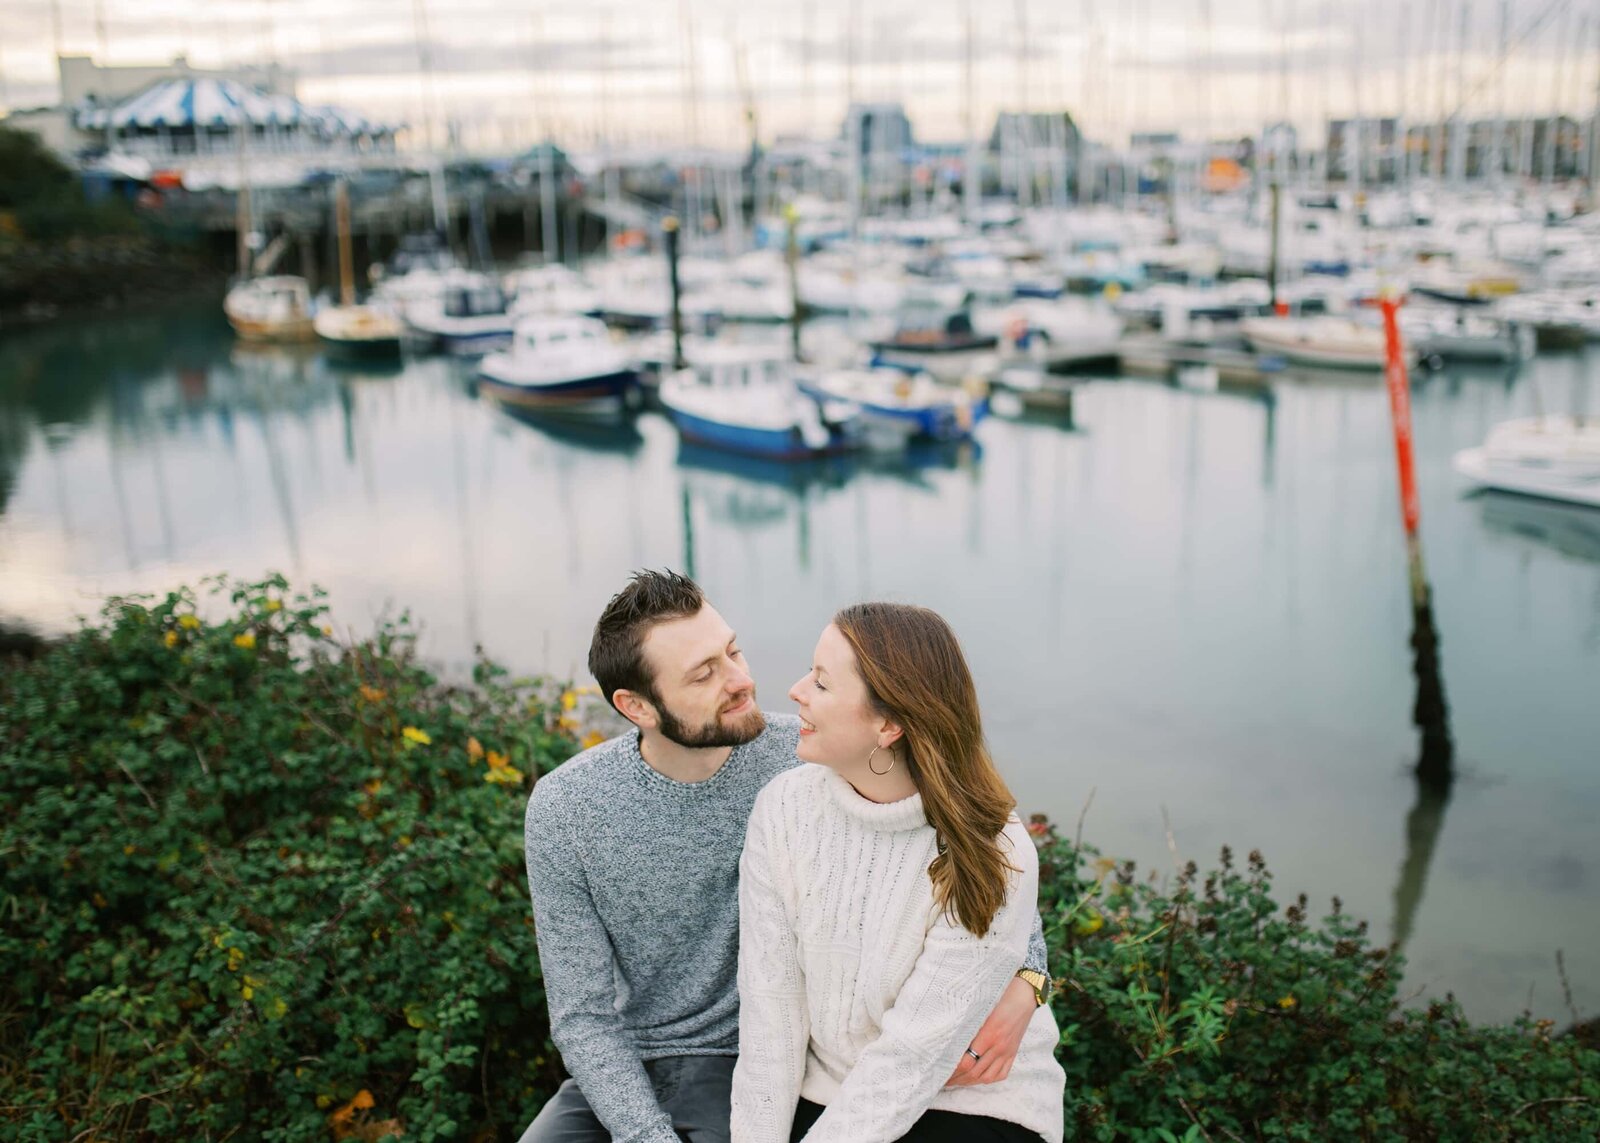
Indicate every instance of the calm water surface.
{"type": "Point", "coordinates": [1192, 604]}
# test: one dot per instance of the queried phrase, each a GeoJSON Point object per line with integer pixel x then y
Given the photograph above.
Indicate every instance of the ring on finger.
{"type": "Point", "coordinates": [973, 1054]}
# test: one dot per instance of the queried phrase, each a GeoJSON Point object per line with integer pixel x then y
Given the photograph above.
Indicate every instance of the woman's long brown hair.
{"type": "Point", "coordinates": [917, 676]}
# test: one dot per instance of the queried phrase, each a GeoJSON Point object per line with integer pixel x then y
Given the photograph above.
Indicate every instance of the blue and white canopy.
{"type": "Point", "coordinates": [201, 103]}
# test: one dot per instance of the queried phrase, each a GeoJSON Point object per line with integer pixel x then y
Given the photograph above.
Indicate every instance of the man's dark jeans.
{"type": "Point", "coordinates": [697, 1091]}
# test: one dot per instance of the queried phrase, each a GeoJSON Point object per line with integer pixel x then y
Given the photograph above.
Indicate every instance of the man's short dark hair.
{"type": "Point", "coordinates": [616, 652]}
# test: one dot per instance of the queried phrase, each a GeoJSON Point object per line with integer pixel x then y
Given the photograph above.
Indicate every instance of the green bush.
{"type": "Point", "coordinates": [260, 885]}
{"type": "Point", "coordinates": [42, 199]}
{"type": "Point", "coordinates": [1200, 1010]}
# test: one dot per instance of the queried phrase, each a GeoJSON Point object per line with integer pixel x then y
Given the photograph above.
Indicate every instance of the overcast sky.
{"type": "Point", "coordinates": [510, 69]}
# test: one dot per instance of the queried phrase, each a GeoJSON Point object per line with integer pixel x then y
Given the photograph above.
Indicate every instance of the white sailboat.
{"type": "Point", "coordinates": [276, 308]}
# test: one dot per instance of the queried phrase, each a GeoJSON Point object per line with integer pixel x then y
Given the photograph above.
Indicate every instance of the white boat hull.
{"type": "Point", "coordinates": [1475, 465]}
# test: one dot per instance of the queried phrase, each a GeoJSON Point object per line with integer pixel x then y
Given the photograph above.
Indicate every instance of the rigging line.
{"type": "Point", "coordinates": [1506, 50]}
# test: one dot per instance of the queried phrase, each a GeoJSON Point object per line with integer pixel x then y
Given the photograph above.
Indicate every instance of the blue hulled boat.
{"type": "Point", "coordinates": [913, 402]}
{"type": "Point", "coordinates": [750, 404]}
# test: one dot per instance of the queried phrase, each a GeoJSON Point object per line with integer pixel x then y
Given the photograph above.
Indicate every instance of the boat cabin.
{"type": "Point", "coordinates": [478, 300]}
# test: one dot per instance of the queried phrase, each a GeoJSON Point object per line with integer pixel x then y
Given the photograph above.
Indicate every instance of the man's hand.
{"type": "Point", "coordinates": [997, 1041]}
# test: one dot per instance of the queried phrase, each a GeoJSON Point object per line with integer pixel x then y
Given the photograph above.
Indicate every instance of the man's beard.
{"type": "Point", "coordinates": [717, 732]}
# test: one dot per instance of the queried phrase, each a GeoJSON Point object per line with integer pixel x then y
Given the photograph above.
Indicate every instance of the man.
{"type": "Point", "coordinates": [633, 864]}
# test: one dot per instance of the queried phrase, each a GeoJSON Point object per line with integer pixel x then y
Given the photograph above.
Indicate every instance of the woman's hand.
{"type": "Point", "coordinates": [997, 1041]}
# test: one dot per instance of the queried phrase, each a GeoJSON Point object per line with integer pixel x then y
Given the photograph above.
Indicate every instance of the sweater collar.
{"type": "Point", "coordinates": [886, 817]}
{"type": "Point", "coordinates": [656, 780]}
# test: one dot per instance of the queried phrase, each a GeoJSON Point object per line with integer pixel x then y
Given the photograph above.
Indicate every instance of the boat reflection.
{"type": "Point", "coordinates": [1571, 529]}
{"type": "Point", "coordinates": [617, 435]}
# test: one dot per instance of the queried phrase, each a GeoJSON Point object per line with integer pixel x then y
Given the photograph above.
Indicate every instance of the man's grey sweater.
{"type": "Point", "coordinates": [635, 885]}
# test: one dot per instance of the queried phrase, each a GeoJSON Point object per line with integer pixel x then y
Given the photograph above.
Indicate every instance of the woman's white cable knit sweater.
{"type": "Point", "coordinates": [855, 990]}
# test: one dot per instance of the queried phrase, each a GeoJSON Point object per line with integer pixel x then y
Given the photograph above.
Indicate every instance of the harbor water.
{"type": "Point", "coordinates": [1186, 607]}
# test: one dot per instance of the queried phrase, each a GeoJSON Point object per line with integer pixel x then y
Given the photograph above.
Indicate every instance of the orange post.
{"type": "Point", "coordinates": [1400, 412]}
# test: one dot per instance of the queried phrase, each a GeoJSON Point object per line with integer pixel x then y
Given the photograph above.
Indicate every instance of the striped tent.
{"type": "Point", "coordinates": [178, 104]}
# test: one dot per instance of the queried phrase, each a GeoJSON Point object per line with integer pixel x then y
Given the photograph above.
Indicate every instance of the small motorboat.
{"type": "Point", "coordinates": [553, 289]}
{"type": "Point", "coordinates": [942, 343]}
{"type": "Point", "coordinates": [470, 317]}
{"type": "Point", "coordinates": [1063, 334]}
{"type": "Point", "coordinates": [561, 364]}
{"type": "Point", "coordinates": [750, 404]}
{"type": "Point", "coordinates": [911, 402]}
{"type": "Point", "coordinates": [1556, 457]}
{"type": "Point", "coordinates": [1560, 320]}
{"type": "Point", "coordinates": [1462, 334]}
{"type": "Point", "coordinates": [276, 308]}
{"type": "Point", "coordinates": [1324, 341]}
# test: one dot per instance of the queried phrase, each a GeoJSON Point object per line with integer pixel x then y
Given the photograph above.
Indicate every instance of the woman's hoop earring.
{"type": "Point", "coordinates": [885, 770]}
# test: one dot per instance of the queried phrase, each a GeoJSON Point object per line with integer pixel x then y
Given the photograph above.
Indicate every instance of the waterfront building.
{"type": "Point", "coordinates": [205, 125]}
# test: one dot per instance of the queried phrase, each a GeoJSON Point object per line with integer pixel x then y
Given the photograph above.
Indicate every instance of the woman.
{"type": "Point", "coordinates": [886, 896]}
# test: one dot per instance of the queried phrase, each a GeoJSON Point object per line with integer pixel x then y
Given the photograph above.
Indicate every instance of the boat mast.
{"type": "Point", "coordinates": [341, 219]}
{"type": "Point", "coordinates": [972, 173]}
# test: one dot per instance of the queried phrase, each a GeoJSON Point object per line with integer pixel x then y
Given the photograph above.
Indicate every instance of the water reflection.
{"type": "Point", "coordinates": [1181, 596]}
{"type": "Point", "coordinates": [1423, 825]}
{"type": "Point", "coordinates": [1570, 529]}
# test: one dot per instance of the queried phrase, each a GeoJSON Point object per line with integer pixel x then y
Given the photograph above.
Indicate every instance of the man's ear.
{"type": "Point", "coordinates": [635, 708]}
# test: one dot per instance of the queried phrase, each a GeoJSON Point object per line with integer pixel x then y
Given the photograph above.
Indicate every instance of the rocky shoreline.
{"type": "Point", "coordinates": [40, 282]}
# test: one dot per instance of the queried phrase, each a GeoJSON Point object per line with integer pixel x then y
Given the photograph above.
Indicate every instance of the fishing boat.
{"type": "Point", "coordinates": [561, 364]}
{"type": "Point", "coordinates": [939, 342]}
{"type": "Point", "coordinates": [1323, 342]}
{"type": "Point", "coordinates": [276, 308]}
{"type": "Point", "coordinates": [912, 402]}
{"type": "Point", "coordinates": [750, 404]}
{"type": "Point", "coordinates": [1556, 457]}
{"type": "Point", "coordinates": [470, 316]}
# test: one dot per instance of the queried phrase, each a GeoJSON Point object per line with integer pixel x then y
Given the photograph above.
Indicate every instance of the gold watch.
{"type": "Point", "coordinates": [1039, 982]}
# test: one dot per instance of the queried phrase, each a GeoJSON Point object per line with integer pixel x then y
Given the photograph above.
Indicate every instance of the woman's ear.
{"type": "Point", "coordinates": [890, 734]}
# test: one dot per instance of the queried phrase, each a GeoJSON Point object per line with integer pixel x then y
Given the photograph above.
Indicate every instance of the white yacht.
{"type": "Point", "coordinates": [1557, 457]}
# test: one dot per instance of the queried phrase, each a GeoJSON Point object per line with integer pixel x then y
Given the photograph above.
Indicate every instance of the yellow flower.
{"type": "Point", "coordinates": [129, 850]}
{"type": "Point", "coordinates": [170, 638]}
{"type": "Point", "coordinates": [569, 700]}
{"type": "Point", "coordinates": [246, 640]}
{"type": "Point", "coordinates": [189, 622]}
{"type": "Point", "coordinates": [1287, 1002]}
{"type": "Point", "coordinates": [373, 787]}
{"type": "Point", "coordinates": [567, 724]}
{"type": "Point", "coordinates": [474, 749]}
{"type": "Point", "coordinates": [419, 737]}
{"type": "Point", "coordinates": [498, 761]}
{"type": "Point", "coordinates": [1091, 924]}
{"type": "Point", "coordinates": [327, 631]}
{"type": "Point", "coordinates": [371, 694]}
{"type": "Point", "coordinates": [235, 959]}
{"type": "Point", "coordinates": [274, 605]}
{"type": "Point", "coordinates": [504, 776]}
{"type": "Point", "coordinates": [592, 739]}
{"type": "Point", "coordinates": [248, 993]}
